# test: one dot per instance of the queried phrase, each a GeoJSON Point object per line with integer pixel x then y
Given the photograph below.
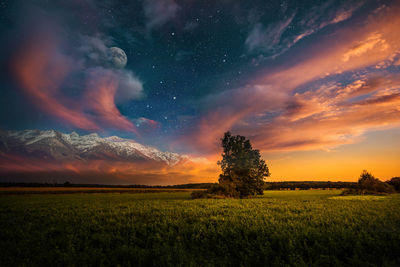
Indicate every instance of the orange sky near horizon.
{"type": "Point", "coordinates": [378, 152]}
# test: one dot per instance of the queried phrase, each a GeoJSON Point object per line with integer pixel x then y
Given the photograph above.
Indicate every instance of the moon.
{"type": "Point", "coordinates": [118, 57]}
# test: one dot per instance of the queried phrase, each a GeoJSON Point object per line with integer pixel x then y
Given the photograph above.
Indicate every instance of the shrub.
{"type": "Point", "coordinates": [207, 194]}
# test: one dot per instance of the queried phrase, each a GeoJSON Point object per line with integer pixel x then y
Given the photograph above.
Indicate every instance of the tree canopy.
{"type": "Point", "coordinates": [243, 170]}
{"type": "Point", "coordinates": [395, 182]}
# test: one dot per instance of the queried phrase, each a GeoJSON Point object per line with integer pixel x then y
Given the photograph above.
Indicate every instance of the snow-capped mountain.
{"type": "Point", "coordinates": [56, 146]}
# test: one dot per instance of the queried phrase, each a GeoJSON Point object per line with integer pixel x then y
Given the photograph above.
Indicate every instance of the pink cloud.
{"type": "Point", "coordinates": [328, 117]}
{"type": "Point", "coordinates": [102, 86]}
{"type": "Point", "coordinates": [40, 68]}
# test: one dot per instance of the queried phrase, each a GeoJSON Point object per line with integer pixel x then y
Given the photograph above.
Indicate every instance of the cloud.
{"type": "Point", "coordinates": [225, 109]}
{"type": "Point", "coordinates": [99, 99]}
{"type": "Point", "coordinates": [298, 107]}
{"type": "Point", "coordinates": [147, 125]}
{"type": "Point", "coordinates": [329, 116]}
{"type": "Point", "coordinates": [322, 16]}
{"type": "Point", "coordinates": [40, 69]}
{"type": "Point", "coordinates": [159, 12]}
{"type": "Point", "coordinates": [129, 87]}
{"type": "Point", "coordinates": [74, 82]}
{"type": "Point", "coordinates": [372, 42]}
{"type": "Point", "coordinates": [94, 50]}
{"type": "Point", "coordinates": [268, 38]}
{"type": "Point", "coordinates": [272, 39]}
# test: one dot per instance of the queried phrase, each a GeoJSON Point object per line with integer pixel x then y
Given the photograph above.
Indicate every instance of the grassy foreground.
{"type": "Point", "coordinates": [293, 228]}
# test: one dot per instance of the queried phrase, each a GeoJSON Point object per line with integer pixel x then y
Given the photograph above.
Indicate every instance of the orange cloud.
{"type": "Point", "coordinates": [330, 116]}
{"type": "Point", "coordinates": [373, 42]}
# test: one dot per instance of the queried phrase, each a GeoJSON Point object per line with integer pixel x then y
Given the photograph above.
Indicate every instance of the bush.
{"type": "Point", "coordinates": [217, 189]}
{"type": "Point", "coordinates": [207, 194]}
{"type": "Point", "coordinates": [198, 194]}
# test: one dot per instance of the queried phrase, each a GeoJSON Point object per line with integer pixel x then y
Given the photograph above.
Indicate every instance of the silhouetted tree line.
{"type": "Point", "coordinates": [214, 187]}
{"type": "Point", "coordinates": [267, 185]}
{"type": "Point", "coordinates": [307, 185]}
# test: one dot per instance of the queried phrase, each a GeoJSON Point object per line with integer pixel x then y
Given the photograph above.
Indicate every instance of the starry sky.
{"type": "Point", "coordinates": [314, 85]}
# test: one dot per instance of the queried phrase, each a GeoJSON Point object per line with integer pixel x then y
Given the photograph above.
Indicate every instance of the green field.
{"type": "Point", "coordinates": [281, 228]}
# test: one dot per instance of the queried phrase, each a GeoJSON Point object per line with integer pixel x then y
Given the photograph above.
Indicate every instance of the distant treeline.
{"type": "Point", "coordinates": [308, 185]}
{"type": "Point", "coordinates": [268, 185]}
{"type": "Point", "coordinates": [68, 184]}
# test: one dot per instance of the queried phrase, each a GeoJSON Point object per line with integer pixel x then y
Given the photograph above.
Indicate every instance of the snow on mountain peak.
{"type": "Point", "coordinates": [60, 145]}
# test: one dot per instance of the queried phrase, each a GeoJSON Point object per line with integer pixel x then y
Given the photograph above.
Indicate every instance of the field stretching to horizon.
{"type": "Point", "coordinates": [280, 228]}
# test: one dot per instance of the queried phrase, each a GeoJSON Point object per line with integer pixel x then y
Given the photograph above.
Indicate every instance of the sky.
{"type": "Point", "coordinates": [314, 85]}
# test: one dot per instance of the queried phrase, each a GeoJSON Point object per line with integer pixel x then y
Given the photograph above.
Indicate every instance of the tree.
{"type": "Point", "coordinates": [367, 181]}
{"type": "Point", "coordinates": [395, 182]}
{"type": "Point", "coordinates": [243, 170]}
{"type": "Point", "coordinates": [369, 185]}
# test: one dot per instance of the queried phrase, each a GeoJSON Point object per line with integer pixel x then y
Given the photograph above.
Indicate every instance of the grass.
{"type": "Point", "coordinates": [362, 197]}
{"type": "Point", "coordinates": [281, 228]}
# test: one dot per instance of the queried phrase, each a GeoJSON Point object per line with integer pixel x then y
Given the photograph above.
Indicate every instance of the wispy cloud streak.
{"type": "Point", "coordinates": [277, 38]}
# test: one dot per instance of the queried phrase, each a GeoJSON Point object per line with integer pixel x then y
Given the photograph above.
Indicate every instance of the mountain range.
{"type": "Point", "coordinates": [54, 146]}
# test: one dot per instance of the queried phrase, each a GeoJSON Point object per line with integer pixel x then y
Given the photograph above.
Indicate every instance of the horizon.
{"type": "Point", "coordinates": [314, 86]}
